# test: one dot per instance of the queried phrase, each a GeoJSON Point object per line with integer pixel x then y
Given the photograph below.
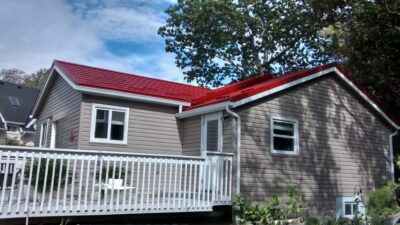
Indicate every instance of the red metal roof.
{"type": "Point", "coordinates": [116, 81]}
{"type": "Point", "coordinates": [197, 96]}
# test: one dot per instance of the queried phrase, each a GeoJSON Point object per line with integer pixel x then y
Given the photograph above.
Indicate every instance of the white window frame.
{"type": "Point", "coordinates": [44, 135]}
{"type": "Point", "coordinates": [295, 137]}
{"type": "Point", "coordinates": [93, 124]}
{"type": "Point", "coordinates": [208, 117]}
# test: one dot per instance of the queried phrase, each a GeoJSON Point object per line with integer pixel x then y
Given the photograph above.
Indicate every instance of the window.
{"type": "Point", "coordinates": [109, 124]}
{"type": "Point", "coordinates": [346, 207]}
{"type": "Point", "coordinates": [350, 208]}
{"type": "Point", "coordinates": [43, 135]}
{"type": "Point", "coordinates": [212, 132]}
{"type": "Point", "coordinates": [284, 136]}
{"type": "Point", "coordinates": [14, 100]}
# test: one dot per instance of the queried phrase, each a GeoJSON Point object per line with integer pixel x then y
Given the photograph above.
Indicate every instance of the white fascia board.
{"type": "Point", "coordinates": [366, 98]}
{"type": "Point", "coordinates": [204, 110]}
{"type": "Point", "coordinates": [281, 87]}
{"type": "Point", "coordinates": [33, 121]}
{"type": "Point", "coordinates": [103, 92]}
{"type": "Point", "coordinates": [311, 77]}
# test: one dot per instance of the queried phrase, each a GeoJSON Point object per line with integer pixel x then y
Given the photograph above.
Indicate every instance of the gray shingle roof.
{"type": "Point", "coordinates": [16, 101]}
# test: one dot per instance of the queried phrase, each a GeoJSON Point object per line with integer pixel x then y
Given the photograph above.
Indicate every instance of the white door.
{"type": "Point", "coordinates": [212, 133]}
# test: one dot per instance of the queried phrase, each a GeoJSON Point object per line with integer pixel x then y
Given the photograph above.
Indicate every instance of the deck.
{"type": "Point", "coordinates": [39, 182]}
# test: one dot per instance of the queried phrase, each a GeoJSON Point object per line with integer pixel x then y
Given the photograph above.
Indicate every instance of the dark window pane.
{"type": "Point", "coordinates": [101, 124]}
{"type": "Point", "coordinates": [212, 135]}
{"type": "Point", "coordinates": [283, 144]}
{"type": "Point", "coordinates": [117, 132]}
{"type": "Point", "coordinates": [283, 128]}
{"type": "Point", "coordinates": [347, 209]}
{"type": "Point", "coordinates": [117, 126]}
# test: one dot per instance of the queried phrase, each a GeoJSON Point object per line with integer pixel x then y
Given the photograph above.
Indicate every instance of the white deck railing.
{"type": "Point", "coordinates": [58, 182]}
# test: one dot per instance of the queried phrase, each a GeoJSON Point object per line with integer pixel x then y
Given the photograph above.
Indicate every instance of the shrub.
{"type": "Point", "coordinates": [381, 202]}
{"type": "Point", "coordinates": [274, 209]}
{"type": "Point", "coordinates": [11, 141]}
{"type": "Point", "coordinates": [42, 171]}
{"type": "Point", "coordinates": [312, 221]}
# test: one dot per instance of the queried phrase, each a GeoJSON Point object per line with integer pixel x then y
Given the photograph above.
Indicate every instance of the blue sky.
{"type": "Point", "coordinates": [114, 34]}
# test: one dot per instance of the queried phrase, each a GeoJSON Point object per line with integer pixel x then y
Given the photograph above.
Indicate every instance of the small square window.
{"type": "Point", "coordinates": [109, 124]}
{"type": "Point", "coordinates": [284, 136]}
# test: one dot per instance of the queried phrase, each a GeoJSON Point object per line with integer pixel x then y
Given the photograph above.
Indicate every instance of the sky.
{"type": "Point", "coordinates": [114, 34]}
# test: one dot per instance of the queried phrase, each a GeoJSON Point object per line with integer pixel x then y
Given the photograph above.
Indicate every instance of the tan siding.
{"type": "Point", "coordinates": [342, 144]}
{"type": "Point", "coordinates": [151, 129]}
{"type": "Point", "coordinates": [191, 142]}
{"type": "Point", "coordinates": [61, 99]}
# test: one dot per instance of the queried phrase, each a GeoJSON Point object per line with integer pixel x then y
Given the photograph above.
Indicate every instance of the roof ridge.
{"type": "Point", "coordinates": [130, 74]}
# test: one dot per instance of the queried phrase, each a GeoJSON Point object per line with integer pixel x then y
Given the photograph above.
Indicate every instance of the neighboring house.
{"type": "Point", "coordinates": [16, 102]}
{"type": "Point", "coordinates": [314, 129]}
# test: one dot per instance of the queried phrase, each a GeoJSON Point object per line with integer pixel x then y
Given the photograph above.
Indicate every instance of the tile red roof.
{"type": "Point", "coordinates": [129, 83]}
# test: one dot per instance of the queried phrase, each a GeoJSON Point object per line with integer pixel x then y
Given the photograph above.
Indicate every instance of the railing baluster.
{"type": "Point", "coordinates": [60, 178]}
{"type": "Point", "coordinates": [180, 184]}
{"type": "Point", "coordinates": [106, 185]}
{"type": "Point", "coordinates": [93, 182]}
{"type": "Point", "coordinates": [80, 184]}
{"type": "Point", "coordinates": [143, 179]}
{"type": "Point", "coordinates": [21, 182]}
{"type": "Point", "coordinates": [29, 182]}
{"type": "Point", "coordinates": [87, 184]}
{"type": "Point", "coordinates": [195, 186]}
{"type": "Point", "coordinates": [174, 193]}
{"type": "Point", "coordinates": [99, 185]}
{"type": "Point", "coordinates": [52, 182]}
{"type": "Point", "coordinates": [66, 183]}
{"type": "Point", "coordinates": [113, 184]}
{"type": "Point", "coordinates": [10, 197]}
{"type": "Point", "coordinates": [184, 185]}
{"type": "Point", "coordinates": [137, 183]}
{"type": "Point", "coordinates": [73, 183]}
{"type": "Point", "coordinates": [154, 184]}
{"type": "Point", "coordinates": [169, 184]}
{"type": "Point", "coordinates": [46, 171]}
{"type": "Point", "coordinates": [36, 182]}
{"type": "Point", "coordinates": [160, 162]}
{"type": "Point", "coordinates": [163, 204]}
{"type": "Point", "coordinates": [125, 184]}
{"type": "Point", "coordinates": [131, 183]}
{"type": "Point", "coordinates": [148, 186]}
{"type": "Point", "coordinates": [188, 203]}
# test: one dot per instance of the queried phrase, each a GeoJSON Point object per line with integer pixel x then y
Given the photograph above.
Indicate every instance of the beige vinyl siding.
{"type": "Point", "coordinates": [191, 141]}
{"type": "Point", "coordinates": [151, 128]}
{"type": "Point", "coordinates": [342, 144]}
{"type": "Point", "coordinates": [61, 99]}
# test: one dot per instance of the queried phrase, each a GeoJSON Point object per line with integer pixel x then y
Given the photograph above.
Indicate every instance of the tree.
{"type": "Point", "coordinates": [227, 40]}
{"type": "Point", "coordinates": [13, 75]}
{"type": "Point", "coordinates": [37, 79]}
{"type": "Point", "coordinates": [367, 42]}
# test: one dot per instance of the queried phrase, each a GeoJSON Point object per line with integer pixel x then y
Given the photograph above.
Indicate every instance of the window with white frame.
{"type": "Point", "coordinates": [43, 134]}
{"type": "Point", "coordinates": [284, 136]}
{"type": "Point", "coordinates": [109, 124]}
{"type": "Point", "coordinates": [348, 207]}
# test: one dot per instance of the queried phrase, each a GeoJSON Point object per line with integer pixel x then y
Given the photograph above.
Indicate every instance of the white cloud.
{"type": "Point", "coordinates": [36, 32]}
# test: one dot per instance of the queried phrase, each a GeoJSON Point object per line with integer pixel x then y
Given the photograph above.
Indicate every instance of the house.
{"type": "Point", "coordinates": [188, 149]}
{"type": "Point", "coordinates": [16, 102]}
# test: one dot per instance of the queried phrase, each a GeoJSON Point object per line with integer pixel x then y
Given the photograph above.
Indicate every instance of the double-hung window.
{"type": "Point", "coordinates": [109, 124]}
{"type": "Point", "coordinates": [284, 136]}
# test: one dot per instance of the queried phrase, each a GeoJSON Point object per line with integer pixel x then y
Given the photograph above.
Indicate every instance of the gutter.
{"type": "Point", "coordinates": [391, 153]}
{"type": "Point", "coordinates": [238, 130]}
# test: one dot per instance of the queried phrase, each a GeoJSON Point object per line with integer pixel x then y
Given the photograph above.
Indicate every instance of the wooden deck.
{"type": "Point", "coordinates": [59, 182]}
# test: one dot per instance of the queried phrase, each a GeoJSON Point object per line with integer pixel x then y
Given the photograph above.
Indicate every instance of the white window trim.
{"type": "Point", "coordinates": [45, 134]}
{"type": "Point", "coordinates": [93, 124]}
{"type": "Point", "coordinates": [53, 135]}
{"type": "Point", "coordinates": [295, 137]}
{"type": "Point", "coordinates": [204, 119]}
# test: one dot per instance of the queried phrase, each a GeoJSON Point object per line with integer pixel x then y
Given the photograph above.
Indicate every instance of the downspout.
{"type": "Point", "coordinates": [391, 154]}
{"type": "Point", "coordinates": [238, 129]}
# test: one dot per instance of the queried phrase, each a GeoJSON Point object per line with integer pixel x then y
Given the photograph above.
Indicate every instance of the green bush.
{"type": "Point", "coordinates": [381, 202]}
{"type": "Point", "coordinates": [11, 141]}
{"type": "Point", "coordinates": [312, 221]}
{"type": "Point", "coordinates": [42, 173]}
{"type": "Point", "coordinates": [274, 209]}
